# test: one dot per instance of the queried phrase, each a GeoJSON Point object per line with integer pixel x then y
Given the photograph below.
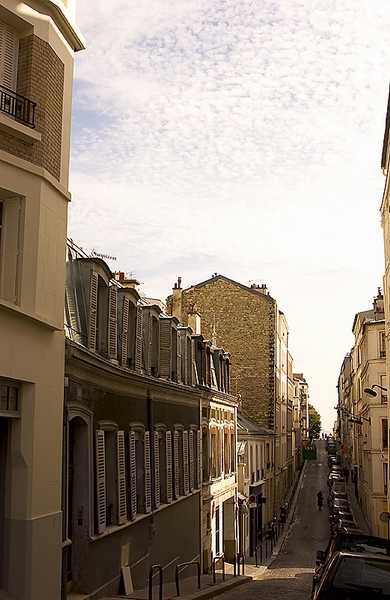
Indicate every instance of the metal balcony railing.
{"type": "Point", "coordinates": [20, 108]}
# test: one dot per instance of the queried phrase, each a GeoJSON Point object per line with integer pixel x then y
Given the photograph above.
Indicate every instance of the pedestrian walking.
{"type": "Point", "coordinates": [346, 474]}
{"type": "Point", "coordinates": [320, 499]}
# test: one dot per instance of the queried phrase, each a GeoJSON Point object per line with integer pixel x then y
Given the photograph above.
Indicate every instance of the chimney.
{"type": "Point", "coordinates": [130, 283]}
{"type": "Point", "coordinates": [194, 319]}
{"type": "Point", "coordinates": [177, 293]}
{"type": "Point", "coordinates": [379, 307]}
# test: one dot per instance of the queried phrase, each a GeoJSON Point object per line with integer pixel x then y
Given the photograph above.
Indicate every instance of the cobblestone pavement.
{"type": "Point", "coordinates": [290, 575]}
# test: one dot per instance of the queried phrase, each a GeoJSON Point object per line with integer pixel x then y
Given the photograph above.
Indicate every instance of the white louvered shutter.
{"type": "Point", "coordinates": [8, 51]}
{"type": "Point", "coordinates": [133, 475]}
{"type": "Point", "coordinates": [112, 322]}
{"type": "Point", "coordinates": [186, 479]}
{"type": "Point", "coordinates": [165, 369]}
{"type": "Point", "coordinates": [157, 497]}
{"type": "Point", "coordinates": [176, 464]}
{"type": "Point", "coordinates": [199, 460]}
{"type": "Point", "coordinates": [148, 483]}
{"type": "Point", "coordinates": [120, 448]}
{"type": "Point", "coordinates": [93, 306]}
{"type": "Point", "coordinates": [100, 481]}
{"type": "Point", "coordinates": [138, 340]}
{"type": "Point", "coordinates": [168, 466]}
{"type": "Point", "coordinates": [125, 332]}
{"type": "Point", "coordinates": [191, 459]}
{"type": "Point", "coordinates": [178, 366]}
{"type": "Point", "coordinates": [9, 249]}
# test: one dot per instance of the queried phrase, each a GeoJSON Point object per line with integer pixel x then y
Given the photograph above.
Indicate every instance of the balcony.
{"type": "Point", "coordinates": [18, 107]}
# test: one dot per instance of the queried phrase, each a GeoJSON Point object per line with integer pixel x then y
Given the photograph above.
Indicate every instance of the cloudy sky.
{"type": "Point", "coordinates": [240, 137]}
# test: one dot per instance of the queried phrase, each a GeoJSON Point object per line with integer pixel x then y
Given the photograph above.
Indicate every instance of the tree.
{"type": "Point", "coordinates": [314, 422]}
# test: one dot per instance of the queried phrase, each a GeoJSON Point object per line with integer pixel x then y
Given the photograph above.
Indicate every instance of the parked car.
{"type": "Point", "coordinates": [346, 526]}
{"type": "Point", "coordinates": [353, 543]}
{"type": "Point", "coordinates": [335, 478]}
{"type": "Point", "coordinates": [333, 495]}
{"type": "Point", "coordinates": [339, 504]}
{"type": "Point", "coordinates": [337, 514]}
{"type": "Point", "coordinates": [340, 487]}
{"type": "Point", "coordinates": [349, 576]}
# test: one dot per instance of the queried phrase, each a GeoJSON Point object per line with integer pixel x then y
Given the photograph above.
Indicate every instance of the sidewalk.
{"type": "Point", "coordinates": [356, 510]}
{"type": "Point", "coordinates": [189, 586]}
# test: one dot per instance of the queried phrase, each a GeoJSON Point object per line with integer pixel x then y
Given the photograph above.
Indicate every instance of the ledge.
{"type": "Point", "coordinates": [18, 130]}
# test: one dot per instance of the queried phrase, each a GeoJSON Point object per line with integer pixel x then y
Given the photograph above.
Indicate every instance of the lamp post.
{"type": "Point", "coordinates": [371, 392]}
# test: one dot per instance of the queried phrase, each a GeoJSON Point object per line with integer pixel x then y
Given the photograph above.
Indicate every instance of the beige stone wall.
{"type": "Point", "coordinates": [40, 79]}
{"type": "Point", "coordinates": [245, 326]}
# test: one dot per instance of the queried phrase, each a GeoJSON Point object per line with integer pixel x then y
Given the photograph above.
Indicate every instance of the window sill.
{"type": "Point", "coordinates": [18, 130]}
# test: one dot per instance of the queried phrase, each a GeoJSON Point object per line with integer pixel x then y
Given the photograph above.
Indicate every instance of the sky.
{"type": "Point", "coordinates": [242, 138]}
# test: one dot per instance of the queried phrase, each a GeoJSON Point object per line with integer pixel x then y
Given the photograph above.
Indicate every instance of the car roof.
{"type": "Point", "coordinates": [358, 543]}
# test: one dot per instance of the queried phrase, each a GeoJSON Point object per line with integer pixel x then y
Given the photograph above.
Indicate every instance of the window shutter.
{"type": "Point", "coordinates": [9, 249]}
{"type": "Point", "coordinates": [157, 498]}
{"type": "Point", "coordinates": [150, 344]}
{"type": "Point", "coordinates": [191, 459]}
{"type": "Point", "coordinates": [199, 459]}
{"type": "Point", "coordinates": [120, 447]}
{"type": "Point", "coordinates": [93, 306]}
{"type": "Point", "coordinates": [168, 454]}
{"type": "Point", "coordinates": [125, 332]}
{"type": "Point", "coordinates": [148, 486]}
{"type": "Point", "coordinates": [133, 476]}
{"type": "Point", "coordinates": [186, 482]}
{"type": "Point", "coordinates": [100, 481]}
{"type": "Point", "coordinates": [176, 464]}
{"type": "Point", "coordinates": [178, 366]}
{"type": "Point", "coordinates": [165, 348]}
{"type": "Point", "coordinates": [112, 322]}
{"type": "Point", "coordinates": [138, 340]}
{"type": "Point", "coordinates": [7, 56]}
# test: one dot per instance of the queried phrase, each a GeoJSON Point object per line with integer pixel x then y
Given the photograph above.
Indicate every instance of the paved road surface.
{"type": "Point", "coordinates": [290, 575]}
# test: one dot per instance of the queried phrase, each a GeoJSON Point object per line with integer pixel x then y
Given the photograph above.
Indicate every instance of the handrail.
{"type": "Point", "coordinates": [216, 559]}
{"type": "Point", "coordinates": [17, 106]}
{"type": "Point", "coordinates": [152, 568]}
{"type": "Point", "coordinates": [185, 564]}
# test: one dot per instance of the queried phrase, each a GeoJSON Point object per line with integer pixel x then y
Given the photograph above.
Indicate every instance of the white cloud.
{"type": "Point", "coordinates": [235, 136]}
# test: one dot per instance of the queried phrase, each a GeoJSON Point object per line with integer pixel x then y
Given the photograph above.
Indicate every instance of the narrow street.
{"type": "Point", "coordinates": [290, 575]}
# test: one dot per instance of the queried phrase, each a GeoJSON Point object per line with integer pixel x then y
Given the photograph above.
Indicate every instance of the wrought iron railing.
{"type": "Point", "coordinates": [17, 106]}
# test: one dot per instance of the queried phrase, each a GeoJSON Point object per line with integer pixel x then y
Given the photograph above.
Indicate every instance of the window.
{"type": "Point", "coordinates": [385, 477]}
{"type": "Point", "coordinates": [382, 344]}
{"type": "Point", "coordinates": [8, 56]}
{"type": "Point", "coordinates": [9, 398]}
{"type": "Point", "coordinates": [9, 248]}
{"type": "Point", "coordinates": [110, 476]}
{"type": "Point", "coordinates": [384, 434]}
{"type": "Point", "coordinates": [140, 470]}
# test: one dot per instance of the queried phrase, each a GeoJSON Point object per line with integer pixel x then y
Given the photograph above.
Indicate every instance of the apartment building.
{"type": "Point", "coordinates": [248, 322]}
{"type": "Point", "coordinates": [362, 409]}
{"type": "Point", "coordinates": [37, 45]}
{"type": "Point", "coordinates": [150, 437]}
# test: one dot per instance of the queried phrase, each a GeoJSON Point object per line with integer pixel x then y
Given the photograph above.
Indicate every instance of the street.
{"type": "Point", "coordinates": [290, 575]}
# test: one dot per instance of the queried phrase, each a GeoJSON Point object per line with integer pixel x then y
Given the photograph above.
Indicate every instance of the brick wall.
{"type": "Point", "coordinates": [40, 79]}
{"type": "Point", "coordinates": [245, 326]}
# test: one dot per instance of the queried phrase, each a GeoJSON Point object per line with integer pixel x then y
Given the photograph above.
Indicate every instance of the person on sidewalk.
{"type": "Point", "coordinates": [320, 499]}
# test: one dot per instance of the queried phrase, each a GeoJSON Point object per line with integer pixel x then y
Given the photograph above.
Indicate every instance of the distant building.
{"type": "Point", "coordinates": [247, 321]}
{"type": "Point", "coordinates": [37, 45]}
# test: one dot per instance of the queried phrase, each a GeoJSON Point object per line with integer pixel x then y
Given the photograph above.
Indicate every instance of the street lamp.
{"type": "Point", "coordinates": [371, 392]}
{"type": "Point", "coordinates": [360, 421]}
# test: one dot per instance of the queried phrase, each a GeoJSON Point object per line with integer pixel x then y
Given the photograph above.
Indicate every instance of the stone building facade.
{"type": "Point", "coordinates": [37, 45]}
{"type": "Point", "coordinates": [248, 322]}
{"type": "Point", "coordinates": [242, 319]}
